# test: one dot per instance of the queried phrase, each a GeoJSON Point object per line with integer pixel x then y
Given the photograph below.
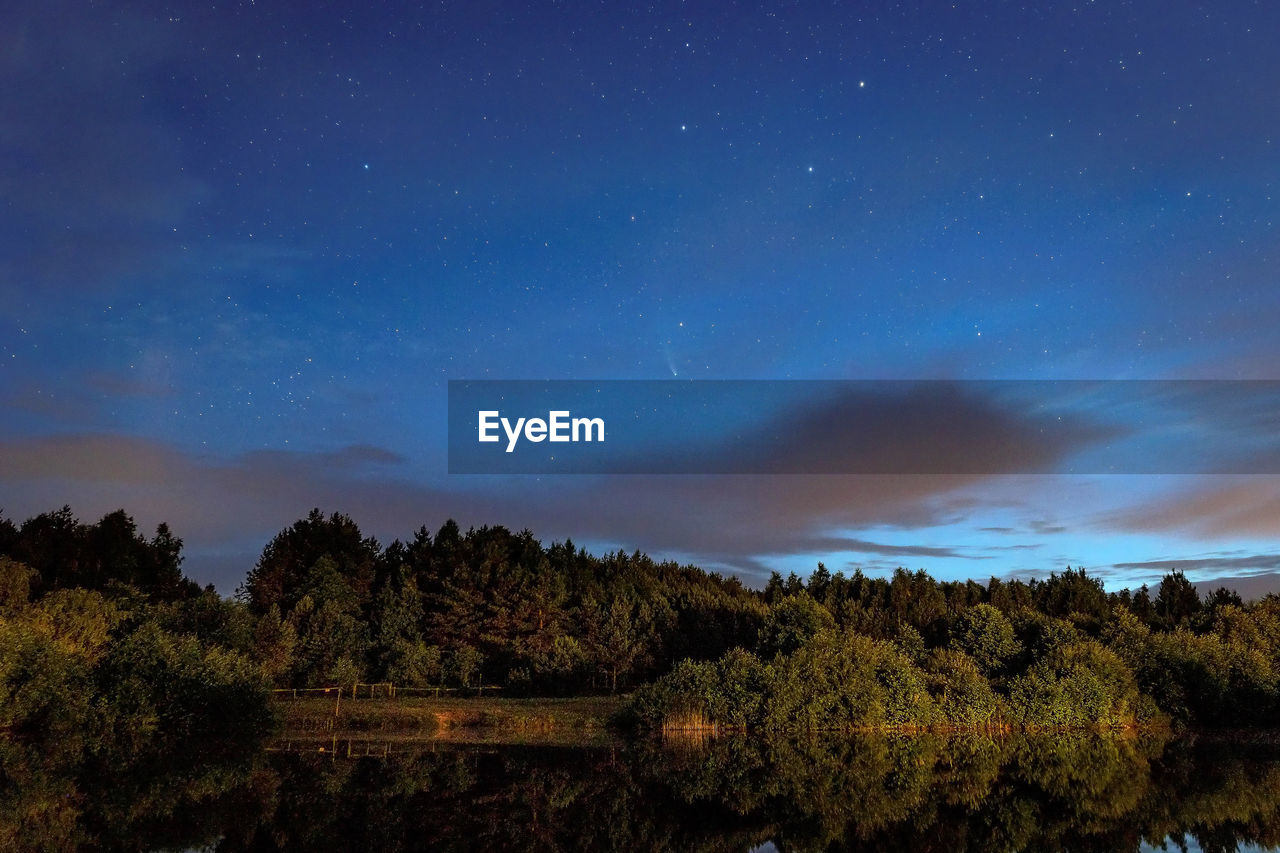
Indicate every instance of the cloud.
{"type": "Point", "coordinates": [111, 459]}
{"type": "Point", "coordinates": [349, 457]}
{"type": "Point", "coordinates": [1045, 528]}
{"type": "Point", "coordinates": [837, 543]}
{"type": "Point", "coordinates": [1036, 526]}
{"type": "Point", "coordinates": [1250, 588]}
{"type": "Point", "coordinates": [228, 506]}
{"type": "Point", "coordinates": [1209, 565]}
{"type": "Point", "coordinates": [921, 428]}
{"type": "Point", "coordinates": [234, 505]}
{"type": "Point", "coordinates": [1218, 507]}
{"type": "Point", "coordinates": [213, 503]}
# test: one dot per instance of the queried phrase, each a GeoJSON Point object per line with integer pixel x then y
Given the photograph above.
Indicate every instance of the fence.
{"type": "Point", "coordinates": [335, 748]}
{"type": "Point", "coordinates": [380, 690]}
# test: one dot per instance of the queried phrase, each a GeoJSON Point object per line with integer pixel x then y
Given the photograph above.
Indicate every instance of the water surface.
{"type": "Point", "coordinates": [1063, 792]}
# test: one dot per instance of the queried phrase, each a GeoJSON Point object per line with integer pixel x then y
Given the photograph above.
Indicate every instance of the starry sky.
{"type": "Point", "coordinates": [244, 247]}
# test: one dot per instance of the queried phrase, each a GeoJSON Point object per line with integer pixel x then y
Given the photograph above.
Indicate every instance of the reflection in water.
{"type": "Point", "coordinates": [1083, 793]}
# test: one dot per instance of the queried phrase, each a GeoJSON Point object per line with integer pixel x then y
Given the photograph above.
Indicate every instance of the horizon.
{"type": "Point", "coordinates": [1249, 589]}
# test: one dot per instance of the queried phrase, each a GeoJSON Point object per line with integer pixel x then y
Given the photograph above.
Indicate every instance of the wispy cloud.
{"type": "Point", "coordinates": [1213, 566]}
{"type": "Point", "coordinates": [1214, 507]}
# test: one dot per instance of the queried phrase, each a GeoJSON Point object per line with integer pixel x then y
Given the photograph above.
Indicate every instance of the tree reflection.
{"type": "Point", "coordinates": [965, 793]}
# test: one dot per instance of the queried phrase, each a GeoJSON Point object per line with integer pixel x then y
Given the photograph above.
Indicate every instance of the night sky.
{"type": "Point", "coordinates": [244, 246]}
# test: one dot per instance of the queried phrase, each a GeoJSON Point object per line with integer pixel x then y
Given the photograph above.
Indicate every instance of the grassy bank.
{"type": "Point", "coordinates": [578, 719]}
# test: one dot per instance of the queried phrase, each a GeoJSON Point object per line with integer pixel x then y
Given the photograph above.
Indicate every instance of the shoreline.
{"type": "Point", "coordinates": [453, 719]}
{"type": "Point", "coordinates": [555, 720]}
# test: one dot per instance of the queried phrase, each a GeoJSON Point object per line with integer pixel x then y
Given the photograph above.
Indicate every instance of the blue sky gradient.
{"type": "Point", "coordinates": [243, 248]}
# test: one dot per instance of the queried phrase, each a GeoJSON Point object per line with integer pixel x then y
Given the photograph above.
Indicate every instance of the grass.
{"type": "Point", "coordinates": [577, 720]}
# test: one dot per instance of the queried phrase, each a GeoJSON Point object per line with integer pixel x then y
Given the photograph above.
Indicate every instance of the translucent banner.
{"type": "Point", "coordinates": [981, 427]}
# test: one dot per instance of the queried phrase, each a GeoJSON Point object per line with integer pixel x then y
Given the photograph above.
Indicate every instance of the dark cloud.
{"type": "Point", "coordinates": [920, 428]}
{"type": "Point", "coordinates": [1209, 565]}
{"type": "Point", "coordinates": [837, 543]}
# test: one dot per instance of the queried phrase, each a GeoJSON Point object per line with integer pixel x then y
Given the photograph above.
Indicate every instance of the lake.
{"type": "Point", "coordinates": [927, 793]}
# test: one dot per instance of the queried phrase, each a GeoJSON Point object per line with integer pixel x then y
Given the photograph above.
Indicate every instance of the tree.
{"type": "Point", "coordinates": [329, 627]}
{"type": "Point", "coordinates": [1079, 685]}
{"type": "Point", "coordinates": [819, 583]}
{"type": "Point", "coordinates": [616, 636]}
{"type": "Point", "coordinates": [1177, 603]}
{"type": "Point", "coordinates": [281, 573]}
{"type": "Point", "coordinates": [963, 693]}
{"type": "Point", "coordinates": [1222, 597]}
{"type": "Point", "coordinates": [466, 664]}
{"type": "Point", "coordinates": [413, 664]}
{"type": "Point", "coordinates": [15, 585]}
{"type": "Point", "coordinates": [840, 680]}
{"type": "Point", "coordinates": [274, 641]}
{"type": "Point", "coordinates": [1142, 607]}
{"type": "Point", "coordinates": [790, 624]}
{"type": "Point", "coordinates": [986, 635]}
{"type": "Point", "coordinates": [108, 555]}
{"type": "Point", "coordinates": [1073, 591]}
{"type": "Point", "coordinates": [397, 621]}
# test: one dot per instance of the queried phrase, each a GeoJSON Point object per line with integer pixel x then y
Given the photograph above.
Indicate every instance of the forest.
{"type": "Point", "coordinates": [100, 632]}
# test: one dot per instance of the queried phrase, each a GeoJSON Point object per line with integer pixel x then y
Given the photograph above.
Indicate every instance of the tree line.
{"type": "Point", "coordinates": [910, 652]}
{"type": "Point", "coordinates": [325, 604]}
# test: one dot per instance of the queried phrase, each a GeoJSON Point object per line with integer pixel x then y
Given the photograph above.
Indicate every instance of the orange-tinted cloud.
{"type": "Point", "coordinates": [1243, 506]}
